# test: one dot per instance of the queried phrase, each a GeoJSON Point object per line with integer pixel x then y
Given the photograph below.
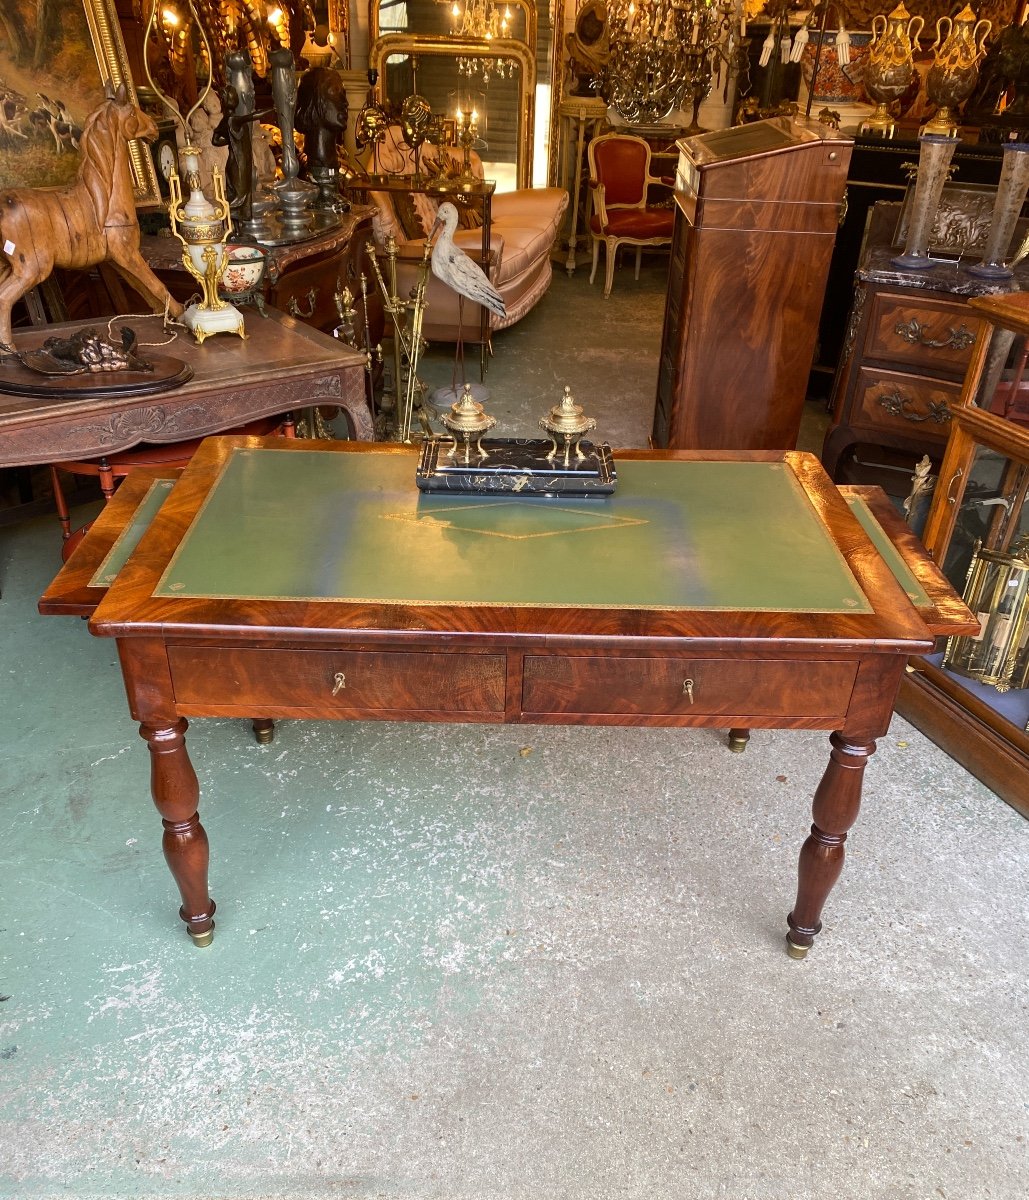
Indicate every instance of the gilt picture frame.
{"type": "Point", "coordinates": [56, 59]}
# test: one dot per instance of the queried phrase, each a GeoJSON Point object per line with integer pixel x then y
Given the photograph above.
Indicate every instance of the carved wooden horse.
{"type": "Point", "coordinates": [91, 221]}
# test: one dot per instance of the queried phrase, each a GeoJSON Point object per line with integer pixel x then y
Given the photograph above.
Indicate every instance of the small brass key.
{"type": "Point", "coordinates": [687, 689]}
{"type": "Point", "coordinates": [339, 682]}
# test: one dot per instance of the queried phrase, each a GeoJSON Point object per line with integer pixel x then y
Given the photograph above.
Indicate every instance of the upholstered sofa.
{"type": "Point", "coordinates": [523, 229]}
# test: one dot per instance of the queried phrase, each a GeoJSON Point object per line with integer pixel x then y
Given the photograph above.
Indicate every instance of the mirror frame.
{"type": "Point", "coordinates": [527, 6]}
{"type": "Point", "coordinates": [113, 61]}
{"type": "Point", "coordinates": [339, 23]}
{"type": "Point", "coordinates": [450, 47]}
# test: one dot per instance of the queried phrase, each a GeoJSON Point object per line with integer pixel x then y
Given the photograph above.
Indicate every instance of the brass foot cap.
{"type": "Point", "coordinates": [795, 951]}
{"type": "Point", "coordinates": [737, 745]}
{"type": "Point", "coordinates": [265, 737]}
{"type": "Point", "coordinates": [202, 939]}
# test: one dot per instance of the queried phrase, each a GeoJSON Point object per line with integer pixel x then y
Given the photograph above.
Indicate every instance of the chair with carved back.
{"type": "Point", "coordinates": [620, 181]}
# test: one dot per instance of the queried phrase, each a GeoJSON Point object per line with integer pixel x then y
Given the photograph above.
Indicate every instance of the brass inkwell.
{"type": "Point", "coordinates": [466, 419]}
{"type": "Point", "coordinates": [561, 465]}
{"type": "Point", "coordinates": [567, 420]}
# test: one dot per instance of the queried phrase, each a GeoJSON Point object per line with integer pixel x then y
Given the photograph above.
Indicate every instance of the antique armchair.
{"type": "Point", "coordinates": [619, 181]}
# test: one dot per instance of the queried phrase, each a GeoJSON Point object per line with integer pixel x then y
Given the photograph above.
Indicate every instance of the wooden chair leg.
{"type": "Point", "coordinates": [106, 477]}
{"type": "Point", "coordinates": [612, 253]}
{"type": "Point", "coordinates": [60, 503]}
{"type": "Point", "coordinates": [596, 259]}
{"type": "Point", "coordinates": [639, 256]}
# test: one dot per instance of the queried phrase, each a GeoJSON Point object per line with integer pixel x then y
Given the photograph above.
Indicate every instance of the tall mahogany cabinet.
{"type": "Point", "coordinates": [757, 209]}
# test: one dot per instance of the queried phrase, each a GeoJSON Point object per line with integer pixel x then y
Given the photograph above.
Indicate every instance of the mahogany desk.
{"type": "Point", "coordinates": [281, 365]}
{"type": "Point", "coordinates": [676, 602]}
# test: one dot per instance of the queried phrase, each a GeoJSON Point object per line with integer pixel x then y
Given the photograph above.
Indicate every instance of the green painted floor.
{"type": "Point", "coordinates": [479, 962]}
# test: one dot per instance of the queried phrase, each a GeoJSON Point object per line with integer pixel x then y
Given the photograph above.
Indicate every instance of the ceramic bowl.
{"type": "Point", "coordinates": [243, 272]}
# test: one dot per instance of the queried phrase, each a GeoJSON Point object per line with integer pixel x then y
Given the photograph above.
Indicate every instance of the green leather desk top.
{"type": "Point", "coordinates": [128, 539]}
{"type": "Point", "coordinates": [916, 593]}
{"type": "Point", "coordinates": [352, 527]}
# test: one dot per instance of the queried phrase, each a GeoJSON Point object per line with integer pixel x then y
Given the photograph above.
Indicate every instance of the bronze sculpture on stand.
{"type": "Point", "coordinates": [321, 116]}
{"type": "Point", "coordinates": [235, 131]}
{"type": "Point", "coordinates": [295, 195]}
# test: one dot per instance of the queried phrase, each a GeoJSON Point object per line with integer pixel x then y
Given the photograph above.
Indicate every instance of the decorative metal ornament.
{"type": "Point", "coordinates": [567, 422]}
{"type": "Point", "coordinates": [467, 420]}
{"type": "Point", "coordinates": [890, 65]}
{"type": "Point", "coordinates": [203, 228]}
{"type": "Point", "coordinates": [955, 70]}
{"type": "Point", "coordinates": [997, 591]}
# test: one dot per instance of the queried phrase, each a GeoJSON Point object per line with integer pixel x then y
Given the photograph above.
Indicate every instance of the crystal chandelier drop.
{"type": "Point", "coordinates": [483, 21]}
{"type": "Point", "coordinates": [666, 54]}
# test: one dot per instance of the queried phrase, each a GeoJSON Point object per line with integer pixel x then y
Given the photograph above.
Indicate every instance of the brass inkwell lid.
{"type": "Point", "coordinates": [567, 421]}
{"type": "Point", "coordinates": [467, 419]}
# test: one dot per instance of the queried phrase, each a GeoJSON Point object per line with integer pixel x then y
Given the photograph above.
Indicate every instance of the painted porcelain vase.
{"type": "Point", "coordinates": [890, 62]}
{"type": "Point", "coordinates": [959, 47]}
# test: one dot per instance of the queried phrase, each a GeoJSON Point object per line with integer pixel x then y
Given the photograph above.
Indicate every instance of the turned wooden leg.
{"type": "Point", "coordinates": [176, 793]}
{"type": "Point", "coordinates": [835, 809]}
{"type": "Point", "coordinates": [60, 503]}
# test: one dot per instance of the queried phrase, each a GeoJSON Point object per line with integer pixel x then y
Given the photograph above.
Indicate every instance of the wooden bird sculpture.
{"type": "Point", "coordinates": [453, 267]}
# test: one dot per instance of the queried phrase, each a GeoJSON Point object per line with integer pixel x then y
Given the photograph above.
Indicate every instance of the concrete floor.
{"type": "Point", "coordinates": [481, 962]}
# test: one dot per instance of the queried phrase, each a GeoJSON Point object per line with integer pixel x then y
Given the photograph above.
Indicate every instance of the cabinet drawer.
{"type": "Point", "coordinates": [307, 292]}
{"type": "Point", "coordinates": [686, 687]}
{"type": "Point", "coordinates": [906, 404]}
{"type": "Point", "coordinates": [347, 680]}
{"type": "Point", "coordinates": [935, 335]}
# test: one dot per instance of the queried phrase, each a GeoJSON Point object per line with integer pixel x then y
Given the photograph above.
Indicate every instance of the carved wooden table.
{"type": "Point", "coordinates": [282, 365]}
{"type": "Point", "coordinates": [659, 606]}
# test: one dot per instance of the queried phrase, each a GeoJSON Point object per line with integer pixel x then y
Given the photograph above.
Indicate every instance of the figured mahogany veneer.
{"type": "Point", "coordinates": [739, 693]}
{"type": "Point", "coordinates": [279, 657]}
{"type": "Point", "coordinates": [313, 683]}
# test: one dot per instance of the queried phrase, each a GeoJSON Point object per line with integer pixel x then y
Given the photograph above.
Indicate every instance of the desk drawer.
{"type": "Point", "coordinates": [345, 680]}
{"type": "Point", "coordinates": [933, 335]}
{"type": "Point", "coordinates": [905, 404]}
{"type": "Point", "coordinates": [686, 687]}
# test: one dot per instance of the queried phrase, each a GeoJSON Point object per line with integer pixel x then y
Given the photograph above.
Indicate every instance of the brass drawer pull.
{"type": "Point", "coordinates": [916, 334]}
{"type": "Point", "coordinates": [899, 405]}
{"type": "Point", "coordinates": [339, 682]}
{"type": "Point", "coordinates": [294, 309]}
{"type": "Point", "coordinates": [952, 486]}
{"type": "Point", "coordinates": [687, 689]}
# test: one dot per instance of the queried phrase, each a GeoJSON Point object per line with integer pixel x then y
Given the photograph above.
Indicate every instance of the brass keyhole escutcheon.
{"type": "Point", "coordinates": [687, 689]}
{"type": "Point", "coordinates": [339, 682]}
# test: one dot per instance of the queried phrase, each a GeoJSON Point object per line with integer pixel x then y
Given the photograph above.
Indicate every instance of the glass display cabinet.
{"type": "Point", "coordinates": [972, 695]}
